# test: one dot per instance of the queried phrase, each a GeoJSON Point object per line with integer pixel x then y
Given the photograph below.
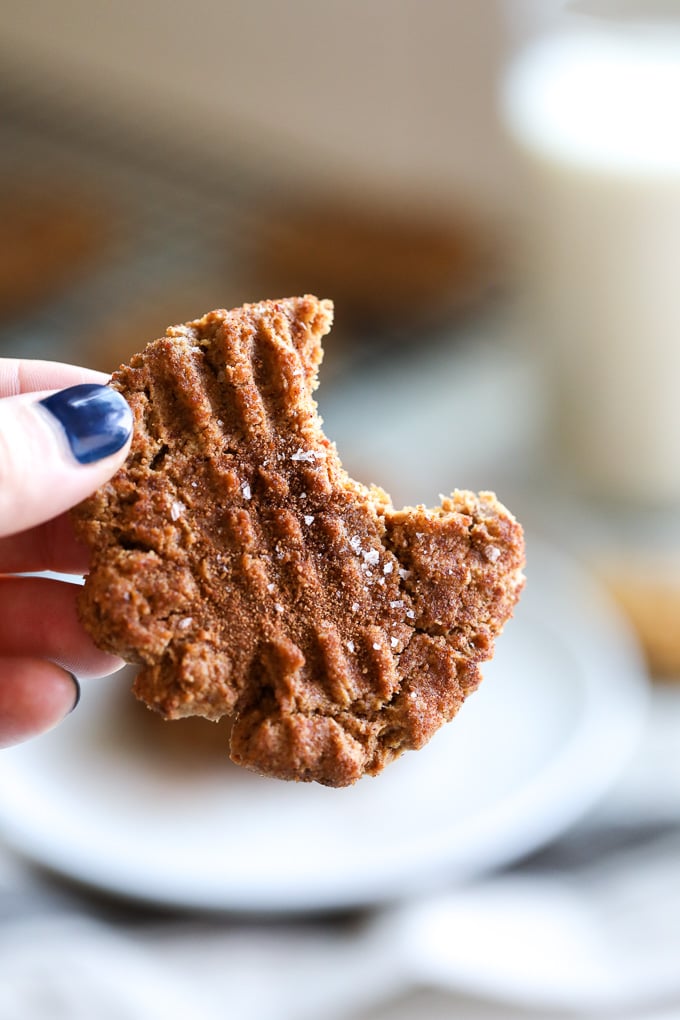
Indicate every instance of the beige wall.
{"type": "Point", "coordinates": [396, 94]}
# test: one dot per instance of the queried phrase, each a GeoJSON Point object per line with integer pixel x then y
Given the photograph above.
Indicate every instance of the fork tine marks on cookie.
{"type": "Point", "coordinates": [179, 388]}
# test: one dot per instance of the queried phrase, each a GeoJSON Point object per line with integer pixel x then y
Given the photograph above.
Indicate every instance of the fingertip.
{"type": "Point", "coordinates": [108, 665]}
{"type": "Point", "coordinates": [57, 449]}
{"type": "Point", "coordinates": [88, 662]}
{"type": "Point", "coordinates": [35, 696]}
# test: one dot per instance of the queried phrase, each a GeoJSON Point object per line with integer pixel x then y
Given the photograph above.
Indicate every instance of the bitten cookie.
{"type": "Point", "coordinates": [250, 576]}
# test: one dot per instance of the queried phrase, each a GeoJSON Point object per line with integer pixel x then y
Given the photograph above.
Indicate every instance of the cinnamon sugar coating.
{"type": "Point", "coordinates": [250, 576]}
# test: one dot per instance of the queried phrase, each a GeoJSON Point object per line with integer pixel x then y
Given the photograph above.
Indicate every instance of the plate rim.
{"type": "Point", "coordinates": [523, 827]}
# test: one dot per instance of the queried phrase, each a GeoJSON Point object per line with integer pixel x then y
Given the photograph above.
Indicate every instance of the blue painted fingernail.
{"type": "Point", "coordinates": [97, 420]}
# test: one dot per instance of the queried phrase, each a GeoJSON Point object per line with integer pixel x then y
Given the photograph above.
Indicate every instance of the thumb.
{"type": "Point", "coordinates": [56, 449]}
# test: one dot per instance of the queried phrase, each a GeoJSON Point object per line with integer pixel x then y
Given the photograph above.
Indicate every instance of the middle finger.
{"type": "Point", "coordinates": [39, 616]}
{"type": "Point", "coordinates": [49, 546]}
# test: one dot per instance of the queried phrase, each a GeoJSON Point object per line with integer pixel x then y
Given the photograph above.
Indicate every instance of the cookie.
{"type": "Point", "coordinates": [251, 577]}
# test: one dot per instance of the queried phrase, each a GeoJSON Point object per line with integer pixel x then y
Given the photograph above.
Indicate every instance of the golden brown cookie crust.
{"type": "Point", "coordinates": [234, 558]}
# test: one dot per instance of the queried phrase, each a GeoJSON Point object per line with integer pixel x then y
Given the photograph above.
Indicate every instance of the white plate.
{"type": "Point", "coordinates": [551, 727]}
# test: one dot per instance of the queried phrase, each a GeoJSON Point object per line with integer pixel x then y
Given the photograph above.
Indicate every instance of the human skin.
{"type": "Point", "coordinates": [43, 646]}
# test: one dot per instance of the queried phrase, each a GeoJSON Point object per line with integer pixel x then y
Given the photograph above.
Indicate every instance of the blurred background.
{"type": "Point", "coordinates": [490, 192]}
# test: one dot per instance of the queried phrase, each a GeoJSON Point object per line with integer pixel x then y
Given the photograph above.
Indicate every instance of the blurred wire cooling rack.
{"type": "Point", "coordinates": [110, 231]}
{"type": "Point", "coordinates": [100, 228]}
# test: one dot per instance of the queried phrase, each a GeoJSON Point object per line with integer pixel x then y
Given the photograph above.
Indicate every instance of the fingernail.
{"type": "Point", "coordinates": [97, 420]}
{"type": "Point", "coordinates": [76, 700]}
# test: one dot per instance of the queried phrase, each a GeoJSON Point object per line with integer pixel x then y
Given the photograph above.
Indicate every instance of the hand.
{"type": "Point", "coordinates": [56, 448]}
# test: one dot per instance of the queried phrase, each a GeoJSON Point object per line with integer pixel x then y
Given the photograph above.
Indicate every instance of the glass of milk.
{"type": "Point", "coordinates": [595, 121]}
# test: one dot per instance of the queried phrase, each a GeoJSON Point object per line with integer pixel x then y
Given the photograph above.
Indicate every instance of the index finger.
{"type": "Point", "coordinates": [22, 375]}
